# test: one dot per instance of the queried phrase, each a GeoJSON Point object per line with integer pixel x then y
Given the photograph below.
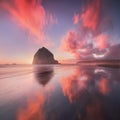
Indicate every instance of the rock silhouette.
{"type": "Point", "coordinates": [44, 56]}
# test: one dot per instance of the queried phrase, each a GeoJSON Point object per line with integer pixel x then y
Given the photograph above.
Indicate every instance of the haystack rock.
{"type": "Point", "coordinates": [44, 56]}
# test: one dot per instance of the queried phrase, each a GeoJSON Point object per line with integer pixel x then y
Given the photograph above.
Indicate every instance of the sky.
{"type": "Point", "coordinates": [70, 29]}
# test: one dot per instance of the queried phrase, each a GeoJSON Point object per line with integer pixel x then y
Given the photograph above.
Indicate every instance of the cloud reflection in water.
{"type": "Point", "coordinates": [86, 94]}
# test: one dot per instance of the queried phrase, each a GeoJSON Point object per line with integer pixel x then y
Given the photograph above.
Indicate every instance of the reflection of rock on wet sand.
{"type": "Point", "coordinates": [43, 74]}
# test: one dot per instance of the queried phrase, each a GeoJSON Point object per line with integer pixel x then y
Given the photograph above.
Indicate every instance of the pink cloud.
{"type": "Point", "coordinates": [102, 41]}
{"type": "Point", "coordinates": [91, 17]}
{"type": "Point", "coordinates": [76, 18]}
{"type": "Point", "coordinates": [89, 37]}
{"type": "Point", "coordinates": [113, 52]}
{"type": "Point", "coordinates": [31, 16]}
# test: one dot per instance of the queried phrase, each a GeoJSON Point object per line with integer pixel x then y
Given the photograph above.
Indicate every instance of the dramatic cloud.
{"type": "Point", "coordinates": [71, 42]}
{"type": "Point", "coordinates": [91, 17]}
{"type": "Point", "coordinates": [102, 41]}
{"type": "Point", "coordinates": [113, 52]}
{"type": "Point", "coordinates": [76, 43]}
{"type": "Point", "coordinates": [31, 15]}
{"type": "Point", "coordinates": [90, 39]}
{"type": "Point", "coordinates": [76, 18]}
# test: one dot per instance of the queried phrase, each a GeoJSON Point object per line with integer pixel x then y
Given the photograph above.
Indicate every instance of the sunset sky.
{"type": "Point", "coordinates": [71, 29]}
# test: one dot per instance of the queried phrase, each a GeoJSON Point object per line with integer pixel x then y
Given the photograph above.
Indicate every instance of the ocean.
{"type": "Point", "coordinates": [59, 92]}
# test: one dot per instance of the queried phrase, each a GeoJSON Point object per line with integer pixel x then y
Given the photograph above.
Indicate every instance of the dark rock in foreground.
{"type": "Point", "coordinates": [44, 56]}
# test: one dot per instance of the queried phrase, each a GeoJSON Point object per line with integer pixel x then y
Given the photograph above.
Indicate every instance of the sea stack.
{"type": "Point", "coordinates": [44, 56]}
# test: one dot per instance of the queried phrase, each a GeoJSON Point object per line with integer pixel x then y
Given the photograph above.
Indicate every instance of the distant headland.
{"type": "Point", "coordinates": [44, 56]}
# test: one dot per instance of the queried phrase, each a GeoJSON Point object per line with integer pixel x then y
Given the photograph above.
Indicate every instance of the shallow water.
{"type": "Point", "coordinates": [59, 92]}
